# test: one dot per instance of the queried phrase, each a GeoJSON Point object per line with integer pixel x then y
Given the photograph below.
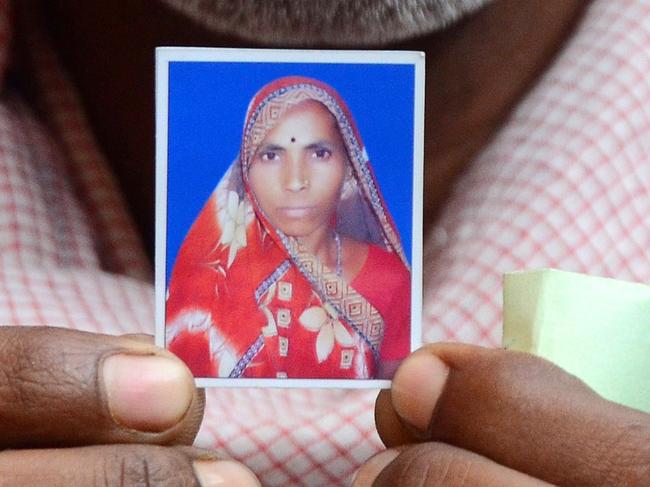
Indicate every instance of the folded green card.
{"type": "Point", "coordinates": [595, 328]}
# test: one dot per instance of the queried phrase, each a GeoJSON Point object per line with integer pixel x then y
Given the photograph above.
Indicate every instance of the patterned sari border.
{"type": "Point", "coordinates": [272, 279]}
{"type": "Point", "coordinates": [243, 362]}
{"type": "Point", "coordinates": [316, 286]}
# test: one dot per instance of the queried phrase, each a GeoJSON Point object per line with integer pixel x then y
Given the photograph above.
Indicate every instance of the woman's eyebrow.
{"type": "Point", "coordinates": [270, 147]}
{"type": "Point", "coordinates": [321, 144]}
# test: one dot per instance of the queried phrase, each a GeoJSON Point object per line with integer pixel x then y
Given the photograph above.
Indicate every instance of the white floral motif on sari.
{"type": "Point", "coordinates": [233, 223]}
{"type": "Point", "coordinates": [198, 321]}
{"type": "Point", "coordinates": [271, 328]}
{"type": "Point", "coordinates": [329, 328]}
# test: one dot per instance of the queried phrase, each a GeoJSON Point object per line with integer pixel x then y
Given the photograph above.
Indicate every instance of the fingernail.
{"type": "Point", "coordinates": [224, 473]}
{"type": "Point", "coordinates": [416, 388]}
{"type": "Point", "coordinates": [147, 392]}
{"type": "Point", "coordinates": [370, 470]}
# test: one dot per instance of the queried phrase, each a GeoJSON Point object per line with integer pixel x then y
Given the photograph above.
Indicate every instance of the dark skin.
{"type": "Point", "coordinates": [459, 415]}
{"type": "Point", "coordinates": [63, 388]}
{"type": "Point", "coordinates": [456, 415]}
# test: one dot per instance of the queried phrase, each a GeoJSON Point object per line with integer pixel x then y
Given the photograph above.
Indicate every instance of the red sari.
{"type": "Point", "coordinates": [244, 300]}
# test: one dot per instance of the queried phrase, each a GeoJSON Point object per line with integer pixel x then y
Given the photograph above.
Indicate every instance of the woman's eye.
{"type": "Point", "coordinates": [322, 153]}
{"type": "Point", "coordinates": [269, 156]}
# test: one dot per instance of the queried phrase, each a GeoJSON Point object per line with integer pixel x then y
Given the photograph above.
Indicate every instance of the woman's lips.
{"type": "Point", "coordinates": [296, 212]}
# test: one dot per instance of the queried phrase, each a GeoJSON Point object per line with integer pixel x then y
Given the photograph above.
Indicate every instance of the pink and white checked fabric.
{"type": "Point", "coordinates": [566, 183]}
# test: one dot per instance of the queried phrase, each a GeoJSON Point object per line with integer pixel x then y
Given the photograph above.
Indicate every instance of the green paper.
{"type": "Point", "coordinates": [595, 328]}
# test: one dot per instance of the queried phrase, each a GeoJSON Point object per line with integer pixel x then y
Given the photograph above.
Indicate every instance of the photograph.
{"type": "Point", "coordinates": [289, 214]}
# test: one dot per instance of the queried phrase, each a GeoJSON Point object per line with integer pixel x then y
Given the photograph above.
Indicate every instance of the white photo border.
{"type": "Point", "coordinates": [166, 55]}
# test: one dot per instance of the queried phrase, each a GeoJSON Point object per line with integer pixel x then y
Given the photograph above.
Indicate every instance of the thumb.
{"type": "Point", "coordinates": [516, 409]}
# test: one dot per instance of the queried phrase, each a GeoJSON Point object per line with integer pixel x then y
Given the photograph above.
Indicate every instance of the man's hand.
{"type": "Point", "coordinates": [82, 409]}
{"type": "Point", "coordinates": [459, 415]}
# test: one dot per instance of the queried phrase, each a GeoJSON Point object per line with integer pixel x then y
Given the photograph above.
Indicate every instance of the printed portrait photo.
{"type": "Point", "coordinates": [289, 215]}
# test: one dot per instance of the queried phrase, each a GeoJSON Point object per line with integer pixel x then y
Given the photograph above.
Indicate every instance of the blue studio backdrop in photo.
{"type": "Point", "coordinates": [207, 106]}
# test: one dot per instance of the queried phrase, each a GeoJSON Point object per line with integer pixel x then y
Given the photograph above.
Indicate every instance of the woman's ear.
{"type": "Point", "coordinates": [349, 183]}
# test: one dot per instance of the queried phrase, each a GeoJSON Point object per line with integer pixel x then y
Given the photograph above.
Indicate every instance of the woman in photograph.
{"type": "Point", "coordinates": [294, 267]}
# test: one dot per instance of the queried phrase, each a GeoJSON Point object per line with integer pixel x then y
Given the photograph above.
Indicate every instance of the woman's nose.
{"type": "Point", "coordinates": [295, 178]}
